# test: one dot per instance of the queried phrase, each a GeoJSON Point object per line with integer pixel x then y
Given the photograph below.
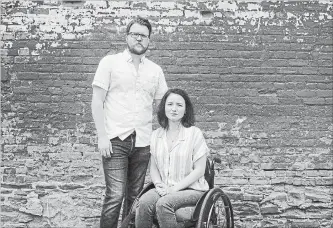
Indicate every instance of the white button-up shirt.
{"type": "Point", "coordinates": [130, 95]}
{"type": "Point", "coordinates": [175, 163]}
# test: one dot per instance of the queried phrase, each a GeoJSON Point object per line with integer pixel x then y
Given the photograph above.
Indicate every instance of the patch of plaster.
{"type": "Point", "coordinates": [33, 205]}
{"type": "Point", "coordinates": [298, 19]}
{"type": "Point", "coordinates": [55, 44]}
{"type": "Point", "coordinates": [325, 16]}
{"type": "Point", "coordinates": [252, 6]}
{"type": "Point", "coordinates": [228, 6]}
{"type": "Point", "coordinates": [40, 46]}
{"type": "Point", "coordinates": [235, 130]}
{"type": "Point", "coordinates": [7, 44]}
{"type": "Point", "coordinates": [326, 140]}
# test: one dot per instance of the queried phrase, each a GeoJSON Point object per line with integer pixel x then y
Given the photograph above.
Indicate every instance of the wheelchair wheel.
{"type": "Point", "coordinates": [216, 211]}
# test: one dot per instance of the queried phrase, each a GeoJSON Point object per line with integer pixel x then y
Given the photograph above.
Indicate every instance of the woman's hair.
{"type": "Point", "coordinates": [188, 118]}
{"type": "Point", "coordinates": [141, 21]}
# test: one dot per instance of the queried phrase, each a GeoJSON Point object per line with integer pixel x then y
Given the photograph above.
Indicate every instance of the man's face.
{"type": "Point", "coordinates": [137, 39]}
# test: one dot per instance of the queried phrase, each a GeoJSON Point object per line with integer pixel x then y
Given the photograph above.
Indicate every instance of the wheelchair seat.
{"type": "Point", "coordinates": [213, 210]}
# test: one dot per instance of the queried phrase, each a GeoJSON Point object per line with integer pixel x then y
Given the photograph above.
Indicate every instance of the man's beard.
{"type": "Point", "coordinates": [133, 50]}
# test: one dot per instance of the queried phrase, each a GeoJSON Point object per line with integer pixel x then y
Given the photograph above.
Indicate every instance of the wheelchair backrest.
{"type": "Point", "coordinates": [209, 173]}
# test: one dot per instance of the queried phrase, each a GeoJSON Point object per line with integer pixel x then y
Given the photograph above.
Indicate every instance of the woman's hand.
{"type": "Point", "coordinates": [170, 190]}
{"type": "Point", "coordinates": [161, 189]}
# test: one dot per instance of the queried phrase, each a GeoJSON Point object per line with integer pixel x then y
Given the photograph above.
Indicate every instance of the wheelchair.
{"type": "Point", "coordinates": [213, 210]}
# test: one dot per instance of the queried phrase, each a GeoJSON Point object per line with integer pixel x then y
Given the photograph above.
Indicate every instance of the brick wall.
{"type": "Point", "coordinates": [259, 74]}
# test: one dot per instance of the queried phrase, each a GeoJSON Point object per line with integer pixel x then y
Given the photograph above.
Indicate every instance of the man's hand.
{"type": "Point", "coordinates": [105, 147]}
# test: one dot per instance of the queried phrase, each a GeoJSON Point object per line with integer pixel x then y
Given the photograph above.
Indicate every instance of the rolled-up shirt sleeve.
{"type": "Point", "coordinates": [200, 147]}
{"type": "Point", "coordinates": [161, 87]}
{"type": "Point", "coordinates": [103, 74]}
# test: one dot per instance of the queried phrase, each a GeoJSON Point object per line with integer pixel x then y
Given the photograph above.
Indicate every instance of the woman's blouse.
{"type": "Point", "coordinates": [175, 163]}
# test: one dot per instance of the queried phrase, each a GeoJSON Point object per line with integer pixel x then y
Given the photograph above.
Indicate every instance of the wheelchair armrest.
{"type": "Point", "coordinates": [146, 189]}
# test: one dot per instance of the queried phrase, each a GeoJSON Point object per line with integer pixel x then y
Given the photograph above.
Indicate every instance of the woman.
{"type": "Point", "coordinates": [177, 165]}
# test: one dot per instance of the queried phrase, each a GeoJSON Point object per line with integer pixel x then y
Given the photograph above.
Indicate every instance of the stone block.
{"type": "Point", "coordinates": [246, 209]}
{"type": "Point", "coordinates": [269, 209]}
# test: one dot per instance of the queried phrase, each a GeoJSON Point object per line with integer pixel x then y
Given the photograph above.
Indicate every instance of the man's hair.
{"type": "Point", "coordinates": [188, 119]}
{"type": "Point", "coordinates": [141, 21]}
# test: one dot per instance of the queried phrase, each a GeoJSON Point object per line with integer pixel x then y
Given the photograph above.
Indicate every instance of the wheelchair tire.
{"type": "Point", "coordinates": [216, 211]}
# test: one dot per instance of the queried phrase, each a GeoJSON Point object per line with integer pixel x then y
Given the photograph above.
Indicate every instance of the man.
{"type": "Point", "coordinates": [124, 89]}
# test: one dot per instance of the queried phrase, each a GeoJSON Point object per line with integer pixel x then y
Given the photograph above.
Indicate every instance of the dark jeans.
{"type": "Point", "coordinates": [124, 173]}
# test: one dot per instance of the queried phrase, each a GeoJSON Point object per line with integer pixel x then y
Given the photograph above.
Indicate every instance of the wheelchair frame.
{"type": "Point", "coordinates": [205, 211]}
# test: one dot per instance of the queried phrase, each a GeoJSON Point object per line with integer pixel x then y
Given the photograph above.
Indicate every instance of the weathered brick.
{"type": "Point", "coordinates": [259, 75]}
{"type": "Point", "coordinates": [253, 198]}
{"type": "Point", "coordinates": [307, 70]}
{"type": "Point", "coordinates": [8, 36]}
{"type": "Point", "coordinates": [298, 62]}
{"type": "Point", "coordinates": [306, 93]}
{"type": "Point", "coordinates": [326, 71]}
{"type": "Point", "coordinates": [325, 93]}
{"type": "Point", "coordinates": [305, 224]}
{"type": "Point", "coordinates": [17, 28]}
{"type": "Point", "coordinates": [14, 148]}
{"type": "Point", "coordinates": [23, 51]}
{"type": "Point", "coordinates": [314, 101]}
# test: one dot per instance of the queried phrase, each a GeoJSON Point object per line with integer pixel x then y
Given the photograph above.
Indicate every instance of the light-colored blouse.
{"type": "Point", "coordinates": [175, 163]}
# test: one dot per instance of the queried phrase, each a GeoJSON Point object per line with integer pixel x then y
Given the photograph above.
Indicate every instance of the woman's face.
{"type": "Point", "coordinates": [175, 107]}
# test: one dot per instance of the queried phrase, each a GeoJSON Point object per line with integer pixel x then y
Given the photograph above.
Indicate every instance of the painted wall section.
{"type": "Point", "coordinates": [259, 74]}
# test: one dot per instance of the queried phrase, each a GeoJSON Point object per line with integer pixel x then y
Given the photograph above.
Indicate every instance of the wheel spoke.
{"type": "Point", "coordinates": [216, 211]}
{"type": "Point", "coordinates": [217, 214]}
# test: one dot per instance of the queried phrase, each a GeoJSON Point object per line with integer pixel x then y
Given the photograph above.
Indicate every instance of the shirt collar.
{"type": "Point", "coordinates": [128, 57]}
{"type": "Point", "coordinates": [181, 133]}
